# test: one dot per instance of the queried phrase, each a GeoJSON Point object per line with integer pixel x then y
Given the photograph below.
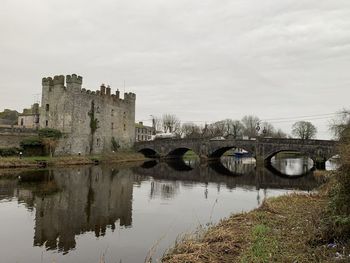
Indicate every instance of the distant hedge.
{"type": "Point", "coordinates": [50, 133]}
{"type": "Point", "coordinates": [9, 151]}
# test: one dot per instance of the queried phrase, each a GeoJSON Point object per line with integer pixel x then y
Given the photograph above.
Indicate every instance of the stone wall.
{"type": "Point", "coordinates": [28, 121]}
{"type": "Point", "coordinates": [8, 140]}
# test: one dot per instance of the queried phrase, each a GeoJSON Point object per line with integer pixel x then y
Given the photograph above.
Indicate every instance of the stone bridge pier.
{"type": "Point", "coordinates": [262, 149]}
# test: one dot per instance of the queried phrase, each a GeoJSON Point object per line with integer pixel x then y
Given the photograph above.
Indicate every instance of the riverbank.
{"type": "Point", "coordinates": [44, 161]}
{"type": "Point", "coordinates": [283, 229]}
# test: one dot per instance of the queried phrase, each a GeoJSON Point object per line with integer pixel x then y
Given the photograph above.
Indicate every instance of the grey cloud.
{"type": "Point", "coordinates": [202, 60]}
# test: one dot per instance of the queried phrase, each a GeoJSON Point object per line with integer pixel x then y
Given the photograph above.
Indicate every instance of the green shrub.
{"type": "Point", "coordinates": [9, 151]}
{"type": "Point", "coordinates": [115, 144]}
{"type": "Point", "coordinates": [50, 138]}
{"type": "Point", "coordinates": [31, 142]}
{"type": "Point", "coordinates": [50, 133]}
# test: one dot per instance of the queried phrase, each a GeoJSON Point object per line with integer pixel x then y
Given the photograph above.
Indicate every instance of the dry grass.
{"type": "Point", "coordinates": [69, 160]}
{"type": "Point", "coordinates": [283, 229]}
{"type": "Point", "coordinates": [220, 243]}
{"type": "Point", "coordinates": [13, 162]}
{"type": "Point", "coordinates": [120, 157]}
{"type": "Point", "coordinates": [126, 156]}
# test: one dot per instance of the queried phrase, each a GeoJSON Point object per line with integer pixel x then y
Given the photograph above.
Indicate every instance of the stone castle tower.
{"type": "Point", "coordinates": [91, 121]}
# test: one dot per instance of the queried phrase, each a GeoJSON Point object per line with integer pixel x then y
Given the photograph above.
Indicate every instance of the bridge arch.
{"type": "Point", "coordinates": [178, 165]}
{"type": "Point", "coordinates": [219, 151]}
{"type": "Point", "coordinates": [279, 173]}
{"type": "Point", "coordinates": [149, 164]}
{"type": "Point", "coordinates": [222, 169]}
{"type": "Point", "coordinates": [317, 155]}
{"type": "Point", "coordinates": [148, 152]}
{"type": "Point", "coordinates": [179, 152]}
{"type": "Point", "coordinates": [270, 155]}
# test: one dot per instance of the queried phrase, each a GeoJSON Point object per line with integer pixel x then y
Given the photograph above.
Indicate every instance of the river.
{"type": "Point", "coordinates": [80, 214]}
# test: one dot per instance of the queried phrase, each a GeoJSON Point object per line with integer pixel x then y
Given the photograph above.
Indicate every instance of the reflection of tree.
{"type": "Point", "coordinates": [164, 190]}
{"type": "Point", "coordinates": [295, 166]}
{"type": "Point", "coordinates": [238, 166]}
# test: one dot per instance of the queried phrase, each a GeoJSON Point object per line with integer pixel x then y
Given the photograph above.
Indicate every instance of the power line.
{"type": "Point", "coordinates": [305, 116]}
{"type": "Point", "coordinates": [323, 116]}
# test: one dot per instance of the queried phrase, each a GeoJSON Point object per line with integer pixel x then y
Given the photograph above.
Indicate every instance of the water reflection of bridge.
{"type": "Point", "coordinates": [216, 172]}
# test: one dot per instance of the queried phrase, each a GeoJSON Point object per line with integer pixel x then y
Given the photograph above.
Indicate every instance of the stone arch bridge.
{"type": "Point", "coordinates": [263, 149]}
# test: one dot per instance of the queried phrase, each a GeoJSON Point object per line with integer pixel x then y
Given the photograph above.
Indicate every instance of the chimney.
{"type": "Point", "coordinates": [108, 90]}
{"type": "Point", "coordinates": [103, 89]}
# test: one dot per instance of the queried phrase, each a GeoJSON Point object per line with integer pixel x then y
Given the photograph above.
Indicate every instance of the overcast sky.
{"type": "Point", "coordinates": [202, 60]}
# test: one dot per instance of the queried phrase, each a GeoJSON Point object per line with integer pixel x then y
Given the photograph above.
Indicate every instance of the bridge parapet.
{"type": "Point", "coordinates": [261, 148]}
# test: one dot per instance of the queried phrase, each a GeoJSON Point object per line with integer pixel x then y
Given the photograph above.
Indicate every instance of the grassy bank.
{"type": "Point", "coordinates": [39, 161]}
{"type": "Point", "coordinates": [283, 229]}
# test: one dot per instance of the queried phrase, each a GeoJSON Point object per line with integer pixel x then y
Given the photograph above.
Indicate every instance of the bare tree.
{"type": "Point", "coordinates": [268, 130]}
{"type": "Point", "coordinates": [235, 128]}
{"type": "Point", "coordinates": [224, 128]}
{"type": "Point", "coordinates": [157, 124]}
{"type": "Point", "coordinates": [191, 130]}
{"type": "Point", "coordinates": [250, 123]}
{"type": "Point", "coordinates": [304, 130]}
{"type": "Point", "coordinates": [171, 123]}
{"type": "Point", "coordinates": [280, 134]}
{"type": "Point", "coordinates": [341, 125]}
{"type": "Point", "coordinates": [215, 129]}
{"type": "Point", "coordinates": [219, 128]}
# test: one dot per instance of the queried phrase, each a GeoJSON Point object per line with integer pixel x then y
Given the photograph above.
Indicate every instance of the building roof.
{"type": "Point", "coordinates": [138, 125]}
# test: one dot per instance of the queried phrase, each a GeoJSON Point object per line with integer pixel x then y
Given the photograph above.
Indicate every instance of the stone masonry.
{"type": "Point", "coordinates": [92, 121]}
{"type": "Point", "coordinates": [263, 149]}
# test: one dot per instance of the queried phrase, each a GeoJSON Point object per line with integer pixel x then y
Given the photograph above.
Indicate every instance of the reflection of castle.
{"type": "Point", "coordinates": [69, 202]}
{"type": "Point", "coordinates": [91, 199]}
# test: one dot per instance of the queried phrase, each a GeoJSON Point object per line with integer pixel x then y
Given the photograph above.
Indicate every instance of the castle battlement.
{"type": "Point", "coordinates": [107, 95]}
{"type": "Point", "coordinates": [47, 81]}
{"type": "Point", "coordinates": [58, 80]}
{"type": "Point", "coordinates": [74, 82]}
{"type": "Point", "coordinates": [74, 79]}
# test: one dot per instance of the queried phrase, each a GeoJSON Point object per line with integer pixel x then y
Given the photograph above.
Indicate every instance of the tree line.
{"type": "Point", "coordinates": [249, 126]}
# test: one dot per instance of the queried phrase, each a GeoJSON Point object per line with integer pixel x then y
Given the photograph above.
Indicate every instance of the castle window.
{"type": "Point", "coordinates": [22, 121]}
{"type": "Point", "coordinates": [124, 127]}
{"type": "Point", "coordinates": [112, 125]}
{"type": "Point", "coordinates": [112, 112]}
{"type": "Point", "coordinates": [47, 107]}
{"type": "Point", "coordinates": [98, 141]}
{"type": "Point", "coordinates": [46, 123]}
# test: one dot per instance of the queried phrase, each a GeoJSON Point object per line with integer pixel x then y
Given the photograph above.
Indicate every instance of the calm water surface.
{"type": "Point", "coordinates": [78, 214]}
